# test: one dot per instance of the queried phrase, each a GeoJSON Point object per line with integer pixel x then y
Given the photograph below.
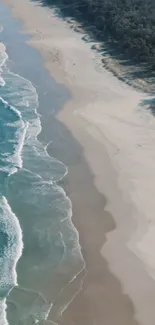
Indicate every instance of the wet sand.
{"type": "Point", "coordinates": [102, 299]}
{"type": "Point", "coordinates": [108, 175]}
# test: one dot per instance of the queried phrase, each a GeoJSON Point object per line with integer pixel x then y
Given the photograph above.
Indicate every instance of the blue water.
{"type": "Point", "coordinates": [35, 214]}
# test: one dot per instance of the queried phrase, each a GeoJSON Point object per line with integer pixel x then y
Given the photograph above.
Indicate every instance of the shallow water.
{"type": "Point", "coordinates": [35, 213]}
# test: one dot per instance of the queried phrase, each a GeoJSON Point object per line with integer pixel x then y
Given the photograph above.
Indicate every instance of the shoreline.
{"type": "Point", "coordinates": [87, 122]}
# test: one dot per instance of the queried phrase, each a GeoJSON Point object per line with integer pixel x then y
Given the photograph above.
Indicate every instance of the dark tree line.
{"type": "Point", "coordinates": [128, 24]}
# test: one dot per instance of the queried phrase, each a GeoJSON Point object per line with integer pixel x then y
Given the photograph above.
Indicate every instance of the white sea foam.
{"type": "Point", "coordinates": [17, 157]}
{"type": "Point", "coordinates": [10, 252]}
{"type": "Point", "coordinates": [6, 104]}
{"type": "Point", "coordinates": [9, 226]}
{"type": "Point", "coordinates": [3, 58]}
{"type": "Point", "coordinates": [3, 54]}
{"type": "Point", "coordinates": [21, 126]}
{"type": "Point", "coordinates": [3, 307]}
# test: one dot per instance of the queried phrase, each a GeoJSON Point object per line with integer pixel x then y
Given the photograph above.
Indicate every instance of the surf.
{"type": "Point", "coordinates": [27, 162]}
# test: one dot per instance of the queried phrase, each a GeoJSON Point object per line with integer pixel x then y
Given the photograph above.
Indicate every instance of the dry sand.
{"type": "Point", "coordinates": [117, 133]}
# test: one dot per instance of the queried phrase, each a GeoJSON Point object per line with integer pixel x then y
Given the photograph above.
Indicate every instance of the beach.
{"type": "Point", "coordinates": [107, 143]}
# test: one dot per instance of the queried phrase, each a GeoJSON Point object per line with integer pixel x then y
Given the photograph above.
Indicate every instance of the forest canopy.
{"type": "Point", "coordinates": [128, 24]}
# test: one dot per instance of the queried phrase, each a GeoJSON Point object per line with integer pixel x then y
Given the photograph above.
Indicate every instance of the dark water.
{"type": "Point", "coordinates": [35, 213]}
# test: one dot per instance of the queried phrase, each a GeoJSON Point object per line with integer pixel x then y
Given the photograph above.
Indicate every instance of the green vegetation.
{"type": "Point", "coordinates": [127, 24]}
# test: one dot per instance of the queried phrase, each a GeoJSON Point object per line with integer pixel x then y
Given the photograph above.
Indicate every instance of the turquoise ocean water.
{"type": "Point", "coordinates": [39, 246]}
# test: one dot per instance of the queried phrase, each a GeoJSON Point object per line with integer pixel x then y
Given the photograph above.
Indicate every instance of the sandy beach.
{"type": "Point", "coordinates": [112, 180]}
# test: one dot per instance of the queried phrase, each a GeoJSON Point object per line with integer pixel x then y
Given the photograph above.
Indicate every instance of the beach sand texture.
{"type": "Point", "coordinates": [116, 130]}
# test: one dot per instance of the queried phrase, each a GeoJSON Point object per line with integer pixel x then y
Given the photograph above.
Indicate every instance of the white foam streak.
{"type": "Point", "coordinates": [17, 157]}
{"type": "Point", "coordinates": [3, 54]}
{"type": "Point", "coordinates": [11, 107]}
{"type": "Point", "coordinates": [10, 225]}
{"type": "Point", "coordinates": [10, 254]}
{"type": "Point", "coordinates": [3, 307]}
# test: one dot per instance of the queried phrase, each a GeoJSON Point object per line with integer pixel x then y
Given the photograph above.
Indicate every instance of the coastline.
{"type": "Point", "coordinates": [87, 122]}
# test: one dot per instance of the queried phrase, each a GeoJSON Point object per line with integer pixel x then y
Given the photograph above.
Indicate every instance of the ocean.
{"type": "Point", "coordinates": [40, 253]}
